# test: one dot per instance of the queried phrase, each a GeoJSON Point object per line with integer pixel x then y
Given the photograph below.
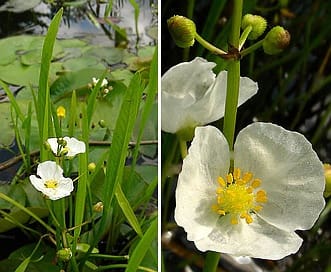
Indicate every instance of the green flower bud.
{"type": "Point", "coordinates": [61, 142]}
{"type": "Point", "coordinates": [64, 254]}
{"type": "Point", "coordinates": [258, 24]}
{"type": "Point", "coordinates": [91, 167]}
{"type": "Point", "coordinates": [182, 30]}
{"type": "Point", "coordinates": [102, 123]}
{"type": "Point", "coordinates": [98, 207]}
{"type": "Point", "coordinates": [276, 40]}
{"type": "Point", "coordinates": [64, 151]}
{"type": "Point", "coordinates": [327, 172]}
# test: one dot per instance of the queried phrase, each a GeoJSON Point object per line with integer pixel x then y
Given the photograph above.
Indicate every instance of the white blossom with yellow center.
{"type": "Point", "coordinates": [275, 186]}
{"type": "Point", "coordinates": [192, 95]}
{"type": "Point", "coordinates": [71, 146]}
{"type": "Point", "coordinates": [51, 182]}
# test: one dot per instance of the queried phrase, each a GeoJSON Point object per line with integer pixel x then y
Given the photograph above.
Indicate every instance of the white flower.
{"type": "Point", "coordinates": [50, 181]}
{"type": "Point", "coordinates": [96, 80]}
{"type": "Point", "coordinates": [276, 187]}
{"type": "Point", "coordinates": [192, 96]}
{"type": "Point", "coordinates": [70, 147]}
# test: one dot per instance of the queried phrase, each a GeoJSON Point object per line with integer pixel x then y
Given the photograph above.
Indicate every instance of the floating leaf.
{"type": "Point", "coordinates": [110, 55]}
{"type": "Point", "coordinates": [7, 135]}
{"type": "Point", "coordinates": [18, 6]}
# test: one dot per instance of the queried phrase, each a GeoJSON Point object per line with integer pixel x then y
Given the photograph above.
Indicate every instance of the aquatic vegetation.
{"type": "Point", "coordinates": [75, 137]}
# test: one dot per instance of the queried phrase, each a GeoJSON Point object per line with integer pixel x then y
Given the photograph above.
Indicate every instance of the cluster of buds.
{"type": "Point", "coordinates": [183, 32]}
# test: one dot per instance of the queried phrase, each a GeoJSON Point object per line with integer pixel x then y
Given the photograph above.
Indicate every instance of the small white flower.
{"type": "Point", "coordinates": [71, 148]}
{"type": "Point", "coordinates": [275, 187]}
{"type": "Point", "coordinates": [51, 182]}
{"type": "Point", "coordinates": [192, 95]}
{"type": "Point", "coordinates": [96, 80]}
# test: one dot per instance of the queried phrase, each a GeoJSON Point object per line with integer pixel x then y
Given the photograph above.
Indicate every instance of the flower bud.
{"type": "Point", "coordinates": [276, 40]}
{"type": "Point", "coordinates": [61, 112]}
{"type": "Point", "coordinates": [182, 30]}
{"type": "Point", "coordinates": [64, 254]}
{"type": "Point", "coordinates": [98, 207]}
{"type": "Point", "coordinates": [327, 172]}
{"type": "Point", "coordinates": [64, 151]}
{"type": "Point", "coordinates": [91, 167]}
{"type": "Point", "coordinates": [258, 24]}
{"type": "Point", "coordinates": [102, 123]}
{"type": "Point", "coordinates": [62, 142]}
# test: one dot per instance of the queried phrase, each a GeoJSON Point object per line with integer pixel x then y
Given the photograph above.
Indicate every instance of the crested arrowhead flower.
{"type": "Point", "coordinates": [96, 80]}
{"type": "Point", "coordinates": [67, 146]}
{"type": "Point", "coordinates": [192, 95]}
{"type": "Point", "coordinates": [274, 186]}
{"type": "Point", "coordinates": [51, 182]}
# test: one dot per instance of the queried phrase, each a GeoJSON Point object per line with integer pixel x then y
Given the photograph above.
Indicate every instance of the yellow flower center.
{"type": "Point", "coordinates": [238, 195]}
{"type": "Point", "coordinates": [52, 183]}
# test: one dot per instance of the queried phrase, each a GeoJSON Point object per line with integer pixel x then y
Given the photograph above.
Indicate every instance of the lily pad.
{"type": "Point", "coordinates": [18, 6]}
{"type": "Point", "coordinates": [75, 64]}
{"type": "Point", "coordinates": [7, 135]}
{"type": "Point", "coordinates": [110, 55]}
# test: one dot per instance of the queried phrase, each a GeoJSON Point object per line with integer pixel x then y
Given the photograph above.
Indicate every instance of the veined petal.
{"type": "Point", "coordinates": [182, 85]}
{"type": "Point", "coordinates": [216, 96]}
{"type": "Point", "coordinates": [291, 174]}
{"type": "Point", "coordinates": [49, 170]}
{"type": "Point", "coordinates": [208, 158]}
{"type": "Point", "coordinates": [258, 239]}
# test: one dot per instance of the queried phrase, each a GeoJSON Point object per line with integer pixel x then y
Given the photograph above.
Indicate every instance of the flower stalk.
{"type": "Point", "coordinates": [231, 103]}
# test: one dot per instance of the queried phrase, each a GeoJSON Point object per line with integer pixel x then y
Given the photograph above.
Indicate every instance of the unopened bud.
{"type": "Point", "coordinates": [258, 24]}
{"type": "Point", "coordinates": [47, 146]}
{"type": "Point", "coordinates": [327, 172]}
{"type": "Point", "coordinates": [61, 112]}
{"type": "Point", "coordinates": [64, 254]}
{"type": "Point", "coordinates": [276, 40]}
{"type": "Point", "coordinates": [64, 151]}
{"type": "Point", "coordinates": [91, 167]}
{"type": "Point", "coordinates": [98, 207]}
{"type": "Point", "coordinates": [102, 123]}
{"type": "Point", "coordinates": [182, 30]}
{"type": "Point", "coordinates": [61, 142]}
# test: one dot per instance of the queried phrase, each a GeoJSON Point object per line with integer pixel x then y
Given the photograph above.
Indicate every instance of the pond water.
{"type": "Point", "coordinates": [83, 20]}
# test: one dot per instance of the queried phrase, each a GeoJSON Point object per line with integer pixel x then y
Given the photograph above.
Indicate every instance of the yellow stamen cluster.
{"type": "Point", "coordinates": [238, 195]}
{"type": "Point", "coordinates": [51, 184]}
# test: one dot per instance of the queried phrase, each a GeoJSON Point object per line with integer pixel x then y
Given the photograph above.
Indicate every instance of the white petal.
{"type": "Point", "coordinates": [75, 146]}
{"type": "Point", "coordinates": [37, 183]}
{"type": "Point", "coordinates": [207, 159]}
{"type": "Point", "coordinates": [53, 144]}
{"type": "Point", "coordinates": [49, 170]}
{"type": "Point", "coordinates": [291, 174]}
{"type": "Point", "coordinates": [258, 240]}
{"type": "Point", "coordinates": [182, 85]}
{"type": "Point", "coordinates": [216, 96]}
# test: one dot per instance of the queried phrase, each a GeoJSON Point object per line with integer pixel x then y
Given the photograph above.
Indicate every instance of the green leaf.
{"type": "Point", "coordinates": [43, 110]}
{"type": "Point", "coordinates": [142, 247]}
{"type": "Point", "coordinates": [127, 210]}
{"type": "Point", "coordinates": [119, 147]}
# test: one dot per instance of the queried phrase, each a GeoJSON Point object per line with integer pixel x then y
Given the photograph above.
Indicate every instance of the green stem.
{"type": "Point", "coordinates": [233, 78]}
{"type": "Point", "coordinates": [209, 46]}
{"type": "Point", "coordinates": [244, 36]}
{"type": "Point", "coordinates": [251, 48]}
{"type": "Point", "coordinates": [211, 262]}
{"type": "Point", "coordinates": [231, 101]}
